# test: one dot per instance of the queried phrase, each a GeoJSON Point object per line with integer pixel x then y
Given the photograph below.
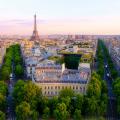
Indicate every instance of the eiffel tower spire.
{"type": "Point", "coordinates": [35, 26]}
{"type": "Point", "coordinates": [35, 35]}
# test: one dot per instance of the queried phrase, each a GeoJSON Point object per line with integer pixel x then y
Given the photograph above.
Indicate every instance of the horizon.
{"type": "Point", "coordinates": [60, 17]}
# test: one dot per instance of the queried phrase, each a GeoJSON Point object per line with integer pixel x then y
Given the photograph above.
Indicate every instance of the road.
{"type": "Point", "coordinates": [111, 110]}
{"type": "Point", "coordinates": [10, 102]}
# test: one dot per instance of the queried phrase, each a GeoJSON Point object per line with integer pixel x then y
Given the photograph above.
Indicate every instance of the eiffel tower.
{"type": "Point", "coordinates": [35, 36]}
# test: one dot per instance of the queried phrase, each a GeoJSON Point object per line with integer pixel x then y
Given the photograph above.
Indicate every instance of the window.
{"type": "Point", "coordinates": [55, 87]}
{"type": "Point", "coordinates": [76, 87]}
{"type": "Point", "coordinates": [51, 87]}
{"type": "Point", "coordinates": [80, 89]}
{"type": "Point", "coordinates": [84, 89]}
{"type": "Point", "coordinates": [45, 87]}
{"type": "Point", "coordinates": [58, 87]}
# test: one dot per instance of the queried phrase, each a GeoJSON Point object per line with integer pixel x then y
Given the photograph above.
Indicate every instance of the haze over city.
{"type": "Point", "coordinates": [58, 17]}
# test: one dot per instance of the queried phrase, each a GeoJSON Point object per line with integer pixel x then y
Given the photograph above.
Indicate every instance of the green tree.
{"type": "Point", "coordinates": [94, 90]}
{"type": "Point", "coordinates": [66, 100]}
{"type": "Point", "coordinates": [46, 113]}
{"type": "Point", "coordinates": [60, 113]}
{"type": "Point", "coordinates": [78, 101]}
{"type": "Point", "coordinates": [102, 104]}
{"type": "Point", "coordinates": [2, 102]}
{"type": "Point", "coordinates": [34, 115]}
{"type": "Point", "coordinates": [18, 59]}
{"type": "Point", "coordinates": [5, 73]}
{"type": "Point", "coordinates": [29, 92]}
{"type": "Point", "coordinates": [3, 88]}
{"type": "Point", "coordinates": [19, 92]}
{"type": "Point", "coordinates": [118, 104]}
{"type": "Point", "coordinates": [67, 92]}
{"type": "Point", "coordinates": [33, 94]}
{"type": "Point", "coordinates": [77, 115]}
{"type": "Point", "coordinates": [53, 102]}
{"type": "Point", "coordinates": [19, 70]}
{"type": "Point", "coordinates": [92, 105]}
{"type": "Point", "coordinates": [2, 115]}
{"type": "Point", "coordinates": [116, 86]}
{"type": "Point", "coordinates": [23, 111]}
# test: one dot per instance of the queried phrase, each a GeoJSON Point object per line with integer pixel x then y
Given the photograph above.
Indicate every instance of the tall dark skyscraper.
{"type": "Point", "coordinates": [35, 35]}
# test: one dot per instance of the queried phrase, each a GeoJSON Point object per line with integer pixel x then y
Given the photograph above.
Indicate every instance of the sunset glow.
{"type": "Point", "coordinates": [66, 16]}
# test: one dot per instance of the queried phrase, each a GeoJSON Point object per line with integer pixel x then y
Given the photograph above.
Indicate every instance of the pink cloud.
{"type": "Point", "coordinates": [85, 25]}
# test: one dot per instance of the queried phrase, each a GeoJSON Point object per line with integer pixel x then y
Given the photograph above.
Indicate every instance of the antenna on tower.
{"type": "Point", "coordinates": [35, 27]}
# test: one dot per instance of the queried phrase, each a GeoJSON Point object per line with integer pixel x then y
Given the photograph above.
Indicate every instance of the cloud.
{"type": "Point", "coordinates": [20, 22]}
{"type": "Point", "coordinates": [83, 25]}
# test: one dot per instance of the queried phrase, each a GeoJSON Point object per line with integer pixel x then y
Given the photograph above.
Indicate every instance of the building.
{"type": "Point", "coordinates": [113, 46]}
{"type": "Point", "coordinates": [52, 78]}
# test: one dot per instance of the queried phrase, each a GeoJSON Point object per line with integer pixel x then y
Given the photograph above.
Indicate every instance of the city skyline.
{"type": "Point", "coordinates": [64, 17]}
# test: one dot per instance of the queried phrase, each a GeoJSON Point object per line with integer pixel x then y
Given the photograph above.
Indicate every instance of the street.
{"type": "Point", "coordinates": [112, 109]}
{"type": "Point", "coordinates": [10, 102]}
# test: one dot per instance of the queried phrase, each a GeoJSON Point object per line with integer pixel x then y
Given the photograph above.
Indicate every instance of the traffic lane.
{"type": "Point", "coordinates": [109, 81]}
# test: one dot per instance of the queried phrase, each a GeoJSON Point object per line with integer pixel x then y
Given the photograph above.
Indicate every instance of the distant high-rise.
{"type": "Point", "coordinates": [35, 35]}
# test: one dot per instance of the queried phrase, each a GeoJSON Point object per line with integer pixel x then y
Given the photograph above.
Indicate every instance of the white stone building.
{"type": "Point", "coordinates": [52, 78]}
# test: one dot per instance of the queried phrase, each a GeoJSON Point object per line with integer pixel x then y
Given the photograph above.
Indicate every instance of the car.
{"type": "Point", "coordinates": [108, 75]}
{"type": "Point", "coordinates": [106, 66]}
{"type": "Point", "coordinates": [12, 76]}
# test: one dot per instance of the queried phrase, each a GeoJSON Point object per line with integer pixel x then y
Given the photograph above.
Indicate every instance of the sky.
{"type": "Point", "coordinates": [60, 16]}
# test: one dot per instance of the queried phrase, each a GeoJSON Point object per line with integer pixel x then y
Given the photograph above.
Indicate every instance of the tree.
{"type": "Point", "coordinates": [114, 73]}
{"type": "Point", "coordinates": [34, 115]}
{"type": "Point", "coordinates": [2, 102]}
{"type": "Point", "coordinates": [94, 87]}
{"type": "Point", "coordinates": [23, 111]}
{"type": "Point", "coordinates": [46, 113]}
{"type": "Point", "coordinates": [29, 92]}
{"type": "Point", "coordinates": [66, 100]}
{"type": "Point", "coordinates": [118, 104]}
{"type": "Point", "coordinates": [66, 93]}
{"type": "Point", "coordinates": [5, 73]}
{"type": "Point", "coordinates": [92, 105]}
{"type": "Point", "coordinates": [19, 70]}
{"type": "Point", "coordinates": [3, 88]}
{"type": "Point", "coordinates": [18, 92]}
{"type": "Point", "coordinates": [78, 101]}
{"type": "Point", "coordinates": [94, 90]}
{"type": "Point", "coordinates": [104, 87]}
{"type": "Point", "coordinates": [18, 59]}
{"type": "Point", "coordinates": [60, 113]}
{"type": "Point", "coordinates": [33, 94]}
{"type": "Point", "coordinates": [2, 115]}
{"type": "Point", "coordinates": [102, 104]}
{"type": "Point", "coordinates": [53, 102]}
{"type": "Point", "coordinates": [116, 86]}
{"type": "Point", "coordinates": [77, 115]}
